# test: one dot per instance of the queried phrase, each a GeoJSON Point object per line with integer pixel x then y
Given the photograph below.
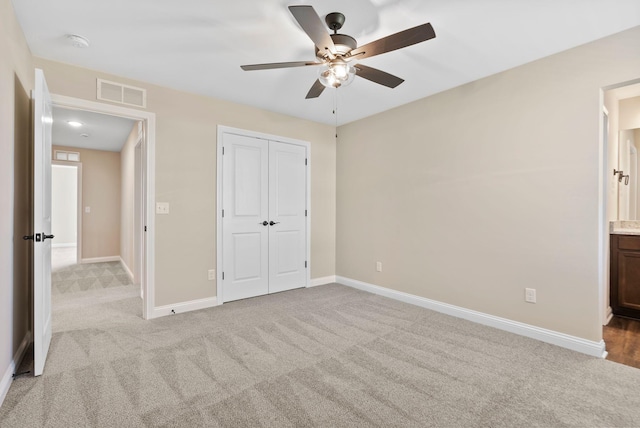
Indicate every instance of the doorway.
{"type": "Point", "coordinates": [66, 220]}
{"type": "Point", "coordinates": [263, 221]}
{"type": "Point", "coordinates": [618, 202]}
{"type": "Point", "coordinates": [141, 227]}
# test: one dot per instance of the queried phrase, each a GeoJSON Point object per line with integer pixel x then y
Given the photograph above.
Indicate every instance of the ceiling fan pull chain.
{"type": "Point", "coordinates": [335, 111]}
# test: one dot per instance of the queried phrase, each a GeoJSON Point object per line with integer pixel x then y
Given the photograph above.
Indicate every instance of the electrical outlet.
{"type": "Point", "coordinates": [212, 274]}
{"type": "Point", "coordinates": [378, 266]}
{"type": "Point", "coordinates": [162, 207]}
{"type": "Point", "coordinates": [530, 295]}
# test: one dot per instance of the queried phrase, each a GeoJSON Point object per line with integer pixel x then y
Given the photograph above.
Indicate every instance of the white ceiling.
{"type": "Point", "coordinates": [104, 132]}
{"type": "Point", "coordinates": [199, 45]}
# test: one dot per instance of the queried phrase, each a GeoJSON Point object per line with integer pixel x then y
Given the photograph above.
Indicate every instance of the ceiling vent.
{"type": "Point", "coordinates": [121, 94]}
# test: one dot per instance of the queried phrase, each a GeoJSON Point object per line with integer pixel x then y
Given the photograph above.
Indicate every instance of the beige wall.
{"type": "Point", "coordinates": [16, 81]}
{"type": "Point", "coordinates": [100, 192]}
{"type": "Point", "coordinates": [186, 177]}
{"type": "Point", "coordinates": [127, 170]}
{"type": "Point", "coordinates": [630, 113]}
{"type": "Point", "coordinates": [473, 194]}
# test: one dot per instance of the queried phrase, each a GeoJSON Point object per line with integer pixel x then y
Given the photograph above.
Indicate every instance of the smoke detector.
{"type": "Point", "coordinates": [78, 41]}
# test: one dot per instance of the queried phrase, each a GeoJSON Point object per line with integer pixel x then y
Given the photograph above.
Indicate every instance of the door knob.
{"type": "Point", "coordinates": [264, 223]}
{"type": "Point", "coordinates": [273, 222]}
{"type": "Point", "coordinates": [45, 237]}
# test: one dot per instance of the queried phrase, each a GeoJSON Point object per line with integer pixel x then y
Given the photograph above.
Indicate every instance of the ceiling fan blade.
{"type": "Point", "coordinates": [378, 76]}
{"type": "Point", "coordinates": [278, 65]}
{"type": "Point", "coordinates": [315, 90]}
{"type": "Point", "coordinates": [395, 41]}
{"type": "Point", "coordinates": [313, 26]}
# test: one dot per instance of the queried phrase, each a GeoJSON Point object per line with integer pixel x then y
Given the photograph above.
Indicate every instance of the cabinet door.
{"type": "Point", "coordinates": [628, 290]}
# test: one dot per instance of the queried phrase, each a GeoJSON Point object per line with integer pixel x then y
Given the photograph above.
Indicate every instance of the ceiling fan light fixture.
{"type": "Point", "coordinates": [337, 74]}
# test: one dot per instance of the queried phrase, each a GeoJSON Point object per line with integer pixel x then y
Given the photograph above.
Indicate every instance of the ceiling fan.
{"type": "Point", "coordinates": [336, 53]}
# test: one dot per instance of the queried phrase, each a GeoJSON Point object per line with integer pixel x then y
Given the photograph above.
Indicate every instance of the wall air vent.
{"type": "Point", "coordinates": [121, 94]}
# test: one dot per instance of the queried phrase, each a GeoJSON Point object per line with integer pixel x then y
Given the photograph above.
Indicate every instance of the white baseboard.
{"type": "Point", "coordinates": [608, 316]}
{"type": "Point", "coordinates": [595, 349]}
{"type": "Point", "coordinates": [193, 305]}
{"type": "Point", "coordinates": [322, 281]}
{"type": "Point", "coordinates": [7, 378]}
{"type": "Point", "coordinates": [101, 259]}
{"type": "Point", "coordinates": [127, 270]}
{"type": "Point", "coordinates": [72, 244]}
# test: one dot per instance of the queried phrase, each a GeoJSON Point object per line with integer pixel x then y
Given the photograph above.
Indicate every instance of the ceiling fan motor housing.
{"type": "Point", "coordinates": [334, 20]}
{"type": "Point", "coordinates": [343, 43]}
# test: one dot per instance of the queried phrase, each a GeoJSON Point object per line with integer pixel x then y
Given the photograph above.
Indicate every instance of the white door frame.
{"type": "Point", "coordinates": [219, 189]}
{"type": "Point", "coordinates": [78, 166]}
{"type": "Point", "coordinates": [603, 232]}
{"type": "Point", "coordinates": [138, 213]}
{"type": "Point", "coordinates": [149, 119]}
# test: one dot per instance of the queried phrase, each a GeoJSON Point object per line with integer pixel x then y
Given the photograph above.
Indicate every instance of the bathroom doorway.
{"type": "Point", "coordinates": [620, 132]}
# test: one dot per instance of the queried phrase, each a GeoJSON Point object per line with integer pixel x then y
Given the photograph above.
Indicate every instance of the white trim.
{"type": "Point", "coordinates": [595, 349]}
{"type": "Point", "coordinates": [126, 269]}
{"type": "Point", "coordinates": [69, 245]}
{"type": "Point", "coordinates": [101, 259]}
{"type": "Point", "coordinates": [7, 378]}
{"type": "Point", "coordinates": [603, 221]}
{"type": "Point", "coordinates": [219, 188]}
{"type": "Point", "coordinates": [219, 174]}
{"type": "Point", "coordinates": [322, 281]}
{"type": "Point", "coordinates": [148, 278]}
{"type": "Point", "coordinates": [179, 308]}
{"type": "Point", "coordinates": [608, 316]}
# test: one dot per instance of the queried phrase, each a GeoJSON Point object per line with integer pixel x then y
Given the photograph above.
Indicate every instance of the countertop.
{"type": "Point", "coordinates": [624, 227]}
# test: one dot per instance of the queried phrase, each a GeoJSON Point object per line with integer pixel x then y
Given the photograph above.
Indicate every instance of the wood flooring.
{"type": "Point", "coordinates": [622, 336]}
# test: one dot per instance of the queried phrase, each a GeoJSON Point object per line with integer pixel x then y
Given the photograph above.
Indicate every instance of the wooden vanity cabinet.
{"type": "Point", "coordinates": [625, 275]}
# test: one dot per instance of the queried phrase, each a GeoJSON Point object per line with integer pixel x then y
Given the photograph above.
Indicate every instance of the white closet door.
{"type": "Point", "coordinates": [287, 204]}
{"type": "Point", "coordinates": [246, 206]}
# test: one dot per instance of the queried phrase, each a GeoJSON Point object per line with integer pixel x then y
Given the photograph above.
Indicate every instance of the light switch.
{"type": "Point", "coordinates": [162, 207]}
{"type": "Point", "coordinates": [87, 209]}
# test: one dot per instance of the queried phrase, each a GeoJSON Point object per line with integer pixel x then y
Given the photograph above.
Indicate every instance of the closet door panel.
{"type": "Point", "coordinates": [246, 208]}
{"type": "Point", "coordinates": [287, 205]}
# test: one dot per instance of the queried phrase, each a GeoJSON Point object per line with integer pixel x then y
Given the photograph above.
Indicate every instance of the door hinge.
{"type": "Point", "coordinates": [305, 263]}
{"type": "Point", "coordinates": [223, 151]}
{"type": "Point", "coordinates": [223, 276]}
{"type": "Point", "coordinates": [305, 161]}
{"type": "Point", "coordinates": [305, 213]}
{"type": "Point", "coordinates": [145, 228]}
{"type": "Point", "coordinates": [222, 213]}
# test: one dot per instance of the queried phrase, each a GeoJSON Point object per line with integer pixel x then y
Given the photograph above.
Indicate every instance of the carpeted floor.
{"type": "Point", "coordinates": [328, 356]}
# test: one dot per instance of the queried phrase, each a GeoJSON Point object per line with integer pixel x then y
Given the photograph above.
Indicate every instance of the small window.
{"type": "Point", "coordinates": [62, 155]}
